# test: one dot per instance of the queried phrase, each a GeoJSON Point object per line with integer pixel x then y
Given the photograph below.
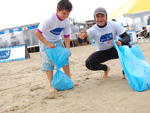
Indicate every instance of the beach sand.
{"type": "Point", "coordinates": [24, 88]}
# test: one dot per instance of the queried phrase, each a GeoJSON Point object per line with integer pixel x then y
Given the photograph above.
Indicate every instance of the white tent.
{"type": "Point", "coordinates": [136, 13]}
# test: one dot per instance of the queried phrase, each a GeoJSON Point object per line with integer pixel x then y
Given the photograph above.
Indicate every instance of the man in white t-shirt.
{"type": "Point", "coordinates": [104, 32]}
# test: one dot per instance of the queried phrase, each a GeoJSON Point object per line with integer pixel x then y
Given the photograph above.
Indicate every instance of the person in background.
{"type": "Point", "coordinates": [144, 32]}
{"type": "Point", "coordinates": [85, 40]}
{"type": "Point", "coordinates": [104, 32]}
{"type": "Point", "coordinates": [49, 34]}
{"type": "Point", "coordinates": [113, 20]}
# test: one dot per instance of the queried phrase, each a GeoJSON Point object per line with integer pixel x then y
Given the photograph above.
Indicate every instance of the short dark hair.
{"type": "Point", "coordinates": [64, 5]}
{"type": "Point", "coordinates": [143, 28]}
{"type": "Point", "coordinates": [113, 20]}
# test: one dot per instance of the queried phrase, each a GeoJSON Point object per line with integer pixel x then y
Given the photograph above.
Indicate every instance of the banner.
{"type": "Point", "coordinates": [19, 29]}
{"type": "Point", "coordinates": [13, 53]}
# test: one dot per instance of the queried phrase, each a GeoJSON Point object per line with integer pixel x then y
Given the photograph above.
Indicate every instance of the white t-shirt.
{"type": "Point", "coordinates": [52, 27]}
{"type": "Point", "coordinates": [103, 37]}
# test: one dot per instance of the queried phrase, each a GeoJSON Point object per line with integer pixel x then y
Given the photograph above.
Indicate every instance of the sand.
{"type": "Point", "coordinates": [24, 88]}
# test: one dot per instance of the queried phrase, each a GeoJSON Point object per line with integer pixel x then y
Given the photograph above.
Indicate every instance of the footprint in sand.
{"type": "Point", "coordinates": [51, 96]}
{"type": "Point", "coordinates": [35, 87]}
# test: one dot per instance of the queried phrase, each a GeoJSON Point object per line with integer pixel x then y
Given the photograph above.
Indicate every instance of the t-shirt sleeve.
{"type": "Point", "coordinates": [90, 32]}
{"type": "Point", "coordinates": [67, 30]}
{"type": "Point", "coordinates": [44, 25]}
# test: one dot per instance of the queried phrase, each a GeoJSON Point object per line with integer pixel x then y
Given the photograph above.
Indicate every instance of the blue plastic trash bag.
{"type": "Point", "coordinates": [60, 56]}
{"type": "Point", "coordinates": [136, 69]}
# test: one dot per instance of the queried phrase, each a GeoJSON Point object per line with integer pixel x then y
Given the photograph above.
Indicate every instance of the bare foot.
{"type": "Point", "coordinates": [53, 90]}
{"type": "Point", "coordinates": [76, 84]}
{"type": "Point", "coordinates": [124, 77]}
{"type": "Point", "coordinates": [106, 73]}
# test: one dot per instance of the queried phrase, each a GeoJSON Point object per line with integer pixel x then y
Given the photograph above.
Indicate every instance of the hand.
{"type": "Point", "coordinates": [118, 43]}
{"type": "Point", "coordinates": [50, 45]}
{"type": "Point", "coordinates": [82, 35]}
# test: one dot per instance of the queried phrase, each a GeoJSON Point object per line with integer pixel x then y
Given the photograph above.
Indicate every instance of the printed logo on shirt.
{"type": "Point", "coordinates": [106, 37]}
{"type": "Point", "coordinates": [56, 31]}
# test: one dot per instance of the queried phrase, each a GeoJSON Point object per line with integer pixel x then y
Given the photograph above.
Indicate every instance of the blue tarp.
{"type": "Point", "coordinates": [136, 69]}
{"type": "Point", "coordinates": [60, 57]}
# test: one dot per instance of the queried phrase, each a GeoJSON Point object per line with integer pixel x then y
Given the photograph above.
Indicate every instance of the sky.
{"type": "Point", "coordinates": [21, 12]}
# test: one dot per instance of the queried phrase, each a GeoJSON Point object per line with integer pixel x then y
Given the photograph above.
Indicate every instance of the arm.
{"type": "Point", "coordinates": [125, 39]}
{"type": "Point", "coordinates": [67, 42]}
{"type": "Point", "coordinates": [42, 39]}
